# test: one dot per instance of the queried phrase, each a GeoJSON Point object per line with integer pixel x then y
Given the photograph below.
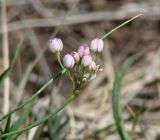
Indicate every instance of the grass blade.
{"type": "Point", "coordinates": [8, 124]}
{"type": "Point", "coordinates": [7, 127]}
{"type": "Point", "coordinates": [4, 75]}
{"type": "Point", "coordinates": [56, 127]}
{"type": "Point", "coordinates": [121, 25]}
{"type": "Point", "coordinates": [116, 103]}
{"type": "Point", "coordinates": [45, 118]}
{"type": "Point", "coordinates": [23, 117]}
{"type": "Point", "coordinates": [1, 131]}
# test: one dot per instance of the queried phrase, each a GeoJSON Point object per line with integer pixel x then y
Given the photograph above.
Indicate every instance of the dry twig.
{"type": "Point", "coordinates": [6, 56]}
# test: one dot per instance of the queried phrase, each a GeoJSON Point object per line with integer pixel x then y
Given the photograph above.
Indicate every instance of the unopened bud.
{"type": "Point", "coordinates": [55, 45]}
{"type": "Point", "coordinates": [75, 56]}
{"type": "Point", "coordinates": [68, 61]}
{"type": "Point", "coordinates": [85, 81]}
{"type": "Point", "coordinates": [86, 60]}
{"type": "Point", "coordinates": [98, 69]}
{"type": "Point", "coordinates": [83, 50]}
{"type": "Point", "coordinates": [92, 66]}
{"type": "Point", "coordinates": [97, 45]}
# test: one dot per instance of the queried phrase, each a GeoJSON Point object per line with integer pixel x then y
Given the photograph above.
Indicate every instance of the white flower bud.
{"type": "Point", "coordinates": [83, 50]}
{"type": "Point", "coordinates": [92, 66]}
{"type": "Point", "coordinates": [86, 60]}
{"type": "Point", "coordinates": [97, 45]}
{"type": "Point", "coordinates": [55, 45]}
{"type": "Point", "coordinates": [75, 56]}
{"type": "Point", "coordinates": [68, 61]}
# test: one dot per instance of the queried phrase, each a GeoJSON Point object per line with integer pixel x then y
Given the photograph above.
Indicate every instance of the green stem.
{"type": "Point", "coordinates": [82, 76]}
{"type": "Point", "coordinates": [70, 77]}
{"type": "Point", "coordinates": [33, 96]}
{"type": "Point", "coordinates": [97, 56]}
{"type": "Point", "coordinates": [44, 119]}
{"type": "Point", "coordinates": [121, 25]}
{"type": "Point", "coordinates": [59, 60]}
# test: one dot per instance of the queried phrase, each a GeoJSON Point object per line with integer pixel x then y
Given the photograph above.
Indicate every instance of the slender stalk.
{"type": "Point", "coordinates": [44, 119]}
{"type": "Point", "coordinates": [81, 81]}
{"type": "Point", "coordinates": [59, 60]}
{"type": "Point", "coordinates": [97, 56]}
{"type": "Point", "coordinates": [6, 56]}
{"type": "Point", "coordinates": [34, 95]}
{"type": "Point", "coordinates": [121, 25]}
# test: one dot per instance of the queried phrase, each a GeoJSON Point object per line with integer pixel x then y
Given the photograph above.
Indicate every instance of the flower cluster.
{"type": "Point", "coordinates": [80, 65]}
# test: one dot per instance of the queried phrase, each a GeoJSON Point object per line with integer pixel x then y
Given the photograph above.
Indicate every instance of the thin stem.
{"type": "Point", "coordinates": [70, 77]}
{"type": "Point", "coordinates": [6, 56]}
{"type": "Point", "coordinates": [59, 60]}
{"type": "Point", "coordinates": [97, 56]}
{"type": "Point", "coordinates": [34, 95]}
{"type": "Point", "coordinates": [44, 119]}
{"type": "Point", "coordinates": [121, 25]}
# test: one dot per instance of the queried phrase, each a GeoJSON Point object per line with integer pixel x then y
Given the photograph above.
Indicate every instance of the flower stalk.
{"type": "Point", "coordinates": [58, 54]}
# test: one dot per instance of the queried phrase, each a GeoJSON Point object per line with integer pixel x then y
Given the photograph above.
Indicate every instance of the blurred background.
{"type": "Point", "coordinates": [78, 21]}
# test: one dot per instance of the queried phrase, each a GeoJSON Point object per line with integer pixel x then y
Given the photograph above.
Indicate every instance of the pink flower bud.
{"type": "Point", "coordinates": [97, 45]}
{"type": "Point", "coordinates": [92, 66]}
{"type": "Point", "coordinates": [83, 50]}
{"type": "Point", "coordinates": [55, 45]}
{"type": "Point", "coordinates": [68, 61]}
{"type": "Point", "coordinates": [86, 60]}
{"type": "Point", "coordinates": [75, 56]}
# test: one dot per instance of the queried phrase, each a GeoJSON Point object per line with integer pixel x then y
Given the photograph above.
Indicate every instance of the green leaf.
{"type": "Point", "coordinates": [8, 125]}
{"type": "Point", "coordinates": [5, 74]}
{"type": "Point", "coordinates": [56, 127]}
{"type": "Point", "coordinates": [1, 131]}
{"type": "Point", "coordinates": [43, 119]}
{"type": "Point", "coordinates": [23, 117]}
{"type": "Point", "coordinates": [121, 25]}
{"type": "Point", "coordinates": [116, 103]}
